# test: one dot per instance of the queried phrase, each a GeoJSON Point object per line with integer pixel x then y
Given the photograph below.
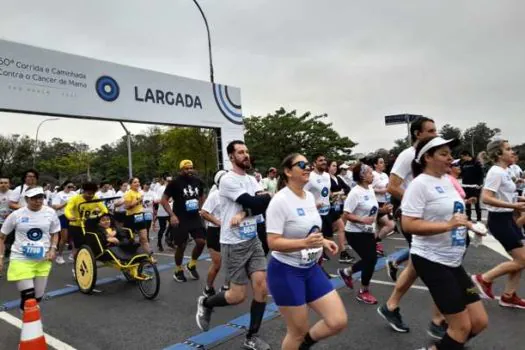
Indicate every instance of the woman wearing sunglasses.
{"type": "Point", "coordinates": [295, 279]}
{"type": "Point", "coordinates": [36, 229]}
{"type": "Point", "coordinates": [59, 203]}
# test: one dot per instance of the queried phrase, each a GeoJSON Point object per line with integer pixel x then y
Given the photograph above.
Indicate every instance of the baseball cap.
{"type": "Point", "coordinates": [185, 163]}
{"type": "Point", "coordinates": [33, 192]}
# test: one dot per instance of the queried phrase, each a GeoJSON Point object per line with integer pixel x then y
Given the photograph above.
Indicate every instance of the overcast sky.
{"type": "Point", "coordinates": [459, 62]}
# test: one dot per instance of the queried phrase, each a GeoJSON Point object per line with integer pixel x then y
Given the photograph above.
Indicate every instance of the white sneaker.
{"type": "Point", "coordinates": [74, 274]}
{"type": "Point", "coordinates": [60, 260]}
{"type": "Point", "coordinates": [71, 258]}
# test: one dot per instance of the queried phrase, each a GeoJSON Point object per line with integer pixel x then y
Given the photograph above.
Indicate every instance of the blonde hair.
{"type": "Point", "coordinates": [495, 149]}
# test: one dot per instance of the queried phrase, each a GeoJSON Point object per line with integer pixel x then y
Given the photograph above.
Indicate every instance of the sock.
{"type": "Point", "coordinates": [447, 343]}
{"type": "Point", "coordinates": [256, 316]}
{"type": "Point", "coordinates": [192, 263]}
{"type": "Point", "coordinates": [217, 300]}
{"type": "Point", "coordinates": [178, 268]}
{"type": "Point", "coordinates": [307, 342]}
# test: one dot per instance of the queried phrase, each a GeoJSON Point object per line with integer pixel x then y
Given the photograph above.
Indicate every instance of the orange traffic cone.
{"type": "Point", "coordinates": [32, 337]}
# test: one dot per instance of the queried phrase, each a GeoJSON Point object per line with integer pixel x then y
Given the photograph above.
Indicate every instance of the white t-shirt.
{"type": "Point", "coordinates": [148, 199]}
{"type": "Point", "coordinates": [380, 183]}
{"type": "Point", "coordinates": [403, 166]}
{"type": "Point", "coordinates": [269, 185]}
{"type": "Point", "coordinates": [4, 205]}
{"type": "Point", "coordinates": [160, 192]}
{"type": "Point", "coordinates": [319, 185]}
{"type": "Point", "coordinates": [108, 194]}
{"type": "Point", "coordinates": [293, 218]}
{"type": "Point", "coordinates": [500, 182]}
{"type": "Point", "coordinates": [18, 195]}
{"type": "Point", "coordinates": [212, 206]}
{"type": "Point", "coordinates": [361, 202]}
{"type": "Point", "coordinates": [435, 199]}
{"type": "Point", "coordinates": [122, 208]}
{"type": "Point", "coordinates": [62, 198]}
{"type": "Point", "coordinates": [232, 187]}
{"type": "Point", "coordinates": [32, 232]}
{"type": "Point", "coordinates": [515, 171]}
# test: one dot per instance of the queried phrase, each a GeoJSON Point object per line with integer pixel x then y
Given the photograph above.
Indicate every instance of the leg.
{"type": "Point", "coordinates": [339, 228]}
{"type": "Point", "coordinates": [512, 283]}
{"type": "Point", "coordinates": [404, 282]}
{"type": "Point", "coordinates": [27, 291]}
{"type": "Point", "coordinates": [40, 287]}
{"type": "Point", "coordinates": [296, 319]}
{"type": "Point", "coordinates": [215, 267]}
{"type": "Point", "coordinates": [478, 318]}
{"type": "Point", "coordinates": [513, 266]}
{"type": "Point", "coordinates": [260, 294]}
{"type": "Point", "coordinates": [468, 210]}
{"type": "Point", "coordinates": [261, 233]}
{"type": "Point", "coordinates": [162, 228]}
{"type": "Point", "coordinates": [143, 239]}
{"type": "Point", "coordinates": [62, 242]}
{"type": "Point", "coordinates": [179, 255]}
{"type": "Point", "coordinates": [333, 313]}
{"type": "Point", "coordinates": [387, 227]}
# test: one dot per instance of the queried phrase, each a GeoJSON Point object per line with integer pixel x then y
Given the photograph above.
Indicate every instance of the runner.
{"type": "Point", "coordinates": [472, 181]}
{"type": "Point", "coordinates": [149, 198]}
{"type": "Point", "coordinates": [5, 192]}
{"type": "Point", "coordinates": [360, 211]}
{"type": "Point", "coordinates": [269, 183]}
{"type": "Point", "coordinates": [187, 192]}
{"type": "Point", "coordinates": [36, 229]}
{"type": "Point", "coordinates": [433, 212]}
{"type": "Point", "coordinates": [104, 192]}
{"type": "Point", "coordinates": [499, 195]}
{"type": "Point", "coordinates": [295, 279]}
{"type": "Point", "coordinates": [380, 185]}
{"type": "Point", "coordinates": [400, 177]}
{"type": "Point", "coordinates": [211, 212]}
{"type": "Point", "coordinates": [517, 174]}
{"type": "Point", "coordinates": [119, 207]}
{"type": "Point", "coordinates": [59, 203]}
{"type": "Point", "coordinates": [162, 214]}
{"type": "Point", "coordinates": [242, 253]}
{"type": "Point", "coordinates": [135, 217]}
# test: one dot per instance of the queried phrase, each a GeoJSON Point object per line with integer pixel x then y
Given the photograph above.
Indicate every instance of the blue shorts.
{"type": "Point", "coordinates": [64, 222]}
{"type": "Point", "coordinates": [293, 286]}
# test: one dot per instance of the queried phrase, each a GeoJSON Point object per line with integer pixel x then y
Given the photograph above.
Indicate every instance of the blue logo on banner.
{"type": "Point", "coordinates": [229, 108]}
{"type": "Point", "coordinates": [107, 88]}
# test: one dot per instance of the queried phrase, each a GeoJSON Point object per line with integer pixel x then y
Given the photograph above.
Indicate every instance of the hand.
{"type": "Point", "coordinates": [113, 240]}
{"type": "Point", "coordinates": [314, 240]}
{"type": "Point", "coordinates": [174, 220]}
{"type": "Point", "coordinates": [388, 208]}
{"type": "Point", "coordinates": [237, 219]}
{"type": "Point", "coordinates": [458, 220]}
{"type": "Point", "coordinates": [520, 206]}
{"type": "Point", "coordinates": [332, 248]}
{"type": "Point", "coordinates": [51, 254]}
{"type": "Point", "coordinates": [472, 200]}
{"type": "Point", "coordinates": [368, 220]}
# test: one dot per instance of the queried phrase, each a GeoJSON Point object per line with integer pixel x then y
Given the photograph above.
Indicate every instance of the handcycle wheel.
{"type": "Point", "coordinates": [149, 287]}
{"type": "Point", "coordinates": [85, 269]}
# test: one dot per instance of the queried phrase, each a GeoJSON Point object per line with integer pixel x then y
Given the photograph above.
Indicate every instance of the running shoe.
{"type": "Point", "coordinates": [346, 258]}
{"type": "Point", "coordinates": [192, 271]}
{"type": "Point", "coordinates": [60, 260]}
{"type": "Point", "coordinates": [484, 287]}
{"type": "Point", "coordinates": [391, 269]}
{"type": "Point", "coordinates": [71, 258]}
{"type": "Point", "coordinates": [379, 250]}
{"type": "Point", "coordinates": [255, 343]}
{"type": "Point", "coordinates": [179, 276]}
{"type": "Point", "coordinates": [437, 331]}
{"type": "Point", "coordinates": [346, 279]}
{"type": "Point", "coordinates": [160, 248]}
{"type": "Point", "coordinates": [366, 297]}
{"type": "Point", "coordinates": [514, 301]}
{"type": "Point", "coordinates": [203, 315]}
{"type": "Point", "coordinates": [208, 291]}
{"type": "Point", "coordinates": [393, 318]}
{"type": "Point", "coordinates": [74, 273]}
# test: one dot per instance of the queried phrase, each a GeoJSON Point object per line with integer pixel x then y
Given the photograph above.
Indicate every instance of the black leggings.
{"type": "Point", "coordinates": [364, 245]}
{"type": "Point", "coordinates": [164, 228]}
{"type": "Point", "coordinates": [473, 192]}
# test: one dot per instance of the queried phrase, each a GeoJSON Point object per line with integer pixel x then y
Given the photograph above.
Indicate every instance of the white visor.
{"type": "Point", "coordinates": [436, 142]}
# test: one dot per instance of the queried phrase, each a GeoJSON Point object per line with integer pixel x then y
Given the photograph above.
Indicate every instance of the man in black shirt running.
{"type": "Point", "coordinates": [472, 175]}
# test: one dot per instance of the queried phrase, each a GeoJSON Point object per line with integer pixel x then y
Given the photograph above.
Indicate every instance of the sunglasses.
{"type": "Point", "coordinates": [302, 165]}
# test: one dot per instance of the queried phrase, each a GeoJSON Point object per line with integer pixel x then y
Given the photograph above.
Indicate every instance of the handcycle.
{"type": "Point", "coordinates": [128, 257]}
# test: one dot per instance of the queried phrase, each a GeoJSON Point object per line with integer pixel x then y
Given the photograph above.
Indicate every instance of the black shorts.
{"type": "Point", "coordinates": [213, 238]}
{"type": "Point", "coordinates": [135, 222]}
{"type": "Point", "coordinates": [119, 216]}
{"type": "Point", "coordinates": [182, 232]}
{"type": "Point", "coordinates": [450, 287]}
{"type": "Point", "coordinates": [504, 228]}
{"type": "Point", "coordinates": [76, 235]}
{"type": "Point", "coordinates": [327, 229]}
{"type": "Point", "coordinates": [64, 222]}
{"type": "Point", "coordinates": [471, 192]}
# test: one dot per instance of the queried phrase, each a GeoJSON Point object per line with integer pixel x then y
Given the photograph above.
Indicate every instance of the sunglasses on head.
{"type": "Point", "coordinates": [301, 165]}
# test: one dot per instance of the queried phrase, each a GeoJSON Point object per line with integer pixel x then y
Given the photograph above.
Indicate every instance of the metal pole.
{"type": "Point", "coordinates": [409, 136]}
{"type": "Point", "coordinates": [209, 39]}
{"type": "Point", "coordinates": [130, 158]}
{"type": "Point", "coordinates": [472, 145]}
{"type": "Point", "coordinates": [36, 137]}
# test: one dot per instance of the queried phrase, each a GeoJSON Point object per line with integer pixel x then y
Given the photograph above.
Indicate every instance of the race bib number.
{"type": "Point", "coordinates": [138, 218]}
{"type": "Point", "coordinates": [459, 237]}
{"type": "Point", "coordinates": [148, 216]}
{"type": "Point", "coordinates": [324, 210]}
{"type": "Point", "coordinates": [192, 205]}
{"type": "Point", "coordinates": [368, 228]}
{"type": "Point", "coordinates": [310, 256]}
{"type": "Point", "coordinates": [33, 250]}
{"type": "Point", "coordinates": [248, 228]}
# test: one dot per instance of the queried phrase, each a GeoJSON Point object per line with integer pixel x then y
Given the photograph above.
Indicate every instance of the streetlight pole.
{"type": "Point", "coordinates": [130, 158]}
{"type": "Point", "coordinates": [36, 137]}
{"type": "Point", "coordinates": [209, 40]}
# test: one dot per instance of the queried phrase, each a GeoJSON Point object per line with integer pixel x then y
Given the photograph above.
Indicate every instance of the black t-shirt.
{"type": "Point", "coordinates": [186, 192]}
{"type": "Point", "coordinates": [471, 173]}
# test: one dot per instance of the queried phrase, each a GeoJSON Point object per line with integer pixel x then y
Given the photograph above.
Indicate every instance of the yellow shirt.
{"type": "Point", "coordinates": [72, 209]}
{"type": "Point", "coordinates": [130, 197]}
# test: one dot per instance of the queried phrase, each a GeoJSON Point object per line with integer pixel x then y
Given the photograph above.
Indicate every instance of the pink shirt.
{"type": "Point", "coordinates": [457, 186]}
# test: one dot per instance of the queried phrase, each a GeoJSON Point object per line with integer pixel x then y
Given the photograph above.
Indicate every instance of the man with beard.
{"type": "Point", "coordinates": [242, 253]}
{"type": "Point", "coordinates": [187, 192]}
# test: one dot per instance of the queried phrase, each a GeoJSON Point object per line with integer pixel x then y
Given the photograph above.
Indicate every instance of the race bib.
{"type": "Point", "coordinates": [33, 250]}
{"type": "Point", "coordinates": [148, 216]}
{"type": "Point", "coordinates": [337, 207]}
{"type": "Point", "coordinates": [324, 210]}
{"type": "Point", "coordinates": [459, 237]}
{"type": "Point", "coordinates": [248, 228]}
{"type": "Point", "coordinates": [368, 228]}
{"type": "Point", "coordinates": [260, 219]}
{"type": "Point", "coordinates": [138, 218]}
{"type": "Point", "coordinates": [310, 256]}
{"type": "Point", "coordinates": [192, 205]}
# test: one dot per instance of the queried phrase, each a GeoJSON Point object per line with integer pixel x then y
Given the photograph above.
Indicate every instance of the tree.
{"type": "Point", "coordinates": [15, 155]}
{"type": "Point", "coordinates": [476, 138]}
{"type": "Point", "coordinates": [272, 137]}
{"type": "Point", "coordinates": [450, 132]}
{"type": "Point", "coordinates": [399, 146]}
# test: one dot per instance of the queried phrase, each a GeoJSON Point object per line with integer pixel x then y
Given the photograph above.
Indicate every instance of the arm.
{"type": "Point", "coordinates": [165, 202]}
{"type": "Point", "coordinates": [489, 197]}
{"type": "Point", "coordinates": [421, 227]}
{"type": "Point", "coordinates": [70, 210]}
{"type": "Point", "coordinates": [253, 205]}
{"type": "Point", "coordinates": [285, 245]}
{"type": "Point", "coordinates": [208, 217]}
{"type": "Point", "coordinates": [129, 201]}
{"type": "Point", "coordinates": [366, 220]}
{"type": "Point", "coordinates": [395, 184]}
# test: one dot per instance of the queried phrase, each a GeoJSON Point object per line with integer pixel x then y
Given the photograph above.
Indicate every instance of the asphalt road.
{"type": "Point", "coordinates": [118, 317]}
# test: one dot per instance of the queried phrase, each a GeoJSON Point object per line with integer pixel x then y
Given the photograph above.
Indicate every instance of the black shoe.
{"type": "Point", "coordinates": [192, 271]}
{"type": "Point", "coordinates": [160, 248]}
{"type": "Point", "coordinates": [393, 318]}
{"type": "Point", "coordinates": [346, 258]}
{"type": "Point", "coordinates": [391, 270]}
{"type": "Point", "coordinates": [255, 343]}
{"type": "Point", "coordinates": [179, 276]}
{"type": "Point", "coordinates": [208, 291]}
{"type": "Point", "coordinates": [437, 331]}
{"type": "Point", "coordinates": [203, 315]}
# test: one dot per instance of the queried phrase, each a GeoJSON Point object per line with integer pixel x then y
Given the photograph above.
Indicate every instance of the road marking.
{"type": "Point", "coordinates": [52, 341]}
{"type": "Point", "coordinates": [387, 283]}
{"type": "Point", "coordinates": [490, 242]}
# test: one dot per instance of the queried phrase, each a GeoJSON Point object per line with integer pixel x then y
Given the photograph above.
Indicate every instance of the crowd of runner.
{"type": "Point", "coordinates": [274, 233]}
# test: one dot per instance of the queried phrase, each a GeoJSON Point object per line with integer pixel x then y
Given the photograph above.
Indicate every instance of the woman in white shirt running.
{"type": "Point", "coordinates": [434, 213]}
{"type": "Point", "coordinates": [380, 184]}
{"type": "Point", "coordinates": [58, 203]}
{"type": "Point", "coordinates": [499, 195]}
{"type": "Point", "coordinates": [294, 278]}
